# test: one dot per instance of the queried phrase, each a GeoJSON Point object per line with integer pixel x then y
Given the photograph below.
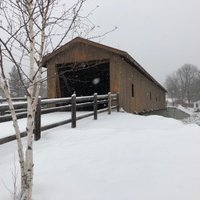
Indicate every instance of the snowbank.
{"type": "Point", "coordinates": [186, 110]}
{"type": "Point", "coordinates": [118, 157]}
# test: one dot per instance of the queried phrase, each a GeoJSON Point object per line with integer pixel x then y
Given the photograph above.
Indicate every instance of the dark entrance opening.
{"type": "Point", "coordinates": [85, 78]}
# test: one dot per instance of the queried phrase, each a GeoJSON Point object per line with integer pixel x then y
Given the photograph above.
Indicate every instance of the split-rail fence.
{"type": "Point", "coordinates": [69, 104]}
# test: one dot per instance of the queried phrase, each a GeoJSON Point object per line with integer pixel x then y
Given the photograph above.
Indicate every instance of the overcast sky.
{"type": "Point", "coordinates": [161, 35]}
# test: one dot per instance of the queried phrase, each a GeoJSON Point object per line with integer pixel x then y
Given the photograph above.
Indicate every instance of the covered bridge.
{"type": "Point", "coordinates": [87, 67]}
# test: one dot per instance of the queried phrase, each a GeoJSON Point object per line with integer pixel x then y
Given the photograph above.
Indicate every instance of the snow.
{"type": "Point", "coordinates": [189, 111]}
{"type": "Point", "coordinates": [117, 157]}
{"type": "Point", "coordinates": [194, 118]}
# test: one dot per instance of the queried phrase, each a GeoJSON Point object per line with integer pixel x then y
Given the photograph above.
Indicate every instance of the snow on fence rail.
{"type": "Point", "coordinates": [61, 104]}
{"type": "Point", "coordinates": [3, 100]}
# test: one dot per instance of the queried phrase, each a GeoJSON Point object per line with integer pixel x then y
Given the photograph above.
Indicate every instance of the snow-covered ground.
{"type": "Point", "coordinates": [117, 157]}
{"type": "Point", "coordinates": [194, 116]}
{"type": "Point", "coordinates": [189, 111]}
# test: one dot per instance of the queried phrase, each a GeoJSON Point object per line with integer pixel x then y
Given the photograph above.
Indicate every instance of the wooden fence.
{"type": "Point", "coordinates": [72, 104]}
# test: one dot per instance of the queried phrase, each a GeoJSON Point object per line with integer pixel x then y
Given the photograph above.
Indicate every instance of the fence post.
{"type": "Point", "coordinates": [109, 102]}
{"type": "Point", "coordinates": [37, 129]}
{"type": "Point", "coordinates": [95, 106]}
{"type": "Point", "coordinates": [118, 106]}
{"type": "Point", "coordinates": [73, 111]}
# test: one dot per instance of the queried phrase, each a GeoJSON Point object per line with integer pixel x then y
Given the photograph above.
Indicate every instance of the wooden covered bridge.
{"type": "Point", "coordinates": [85, 67]}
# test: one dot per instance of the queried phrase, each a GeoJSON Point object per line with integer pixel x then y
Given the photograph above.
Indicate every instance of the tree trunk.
{"type": "Point", "coordinates": [30, 109]}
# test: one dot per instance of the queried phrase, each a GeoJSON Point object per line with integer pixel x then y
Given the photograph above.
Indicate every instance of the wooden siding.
{"type": "Point", "coordinates": [76, 54]}
{"type": "Point", "coordinates": [128, 75]}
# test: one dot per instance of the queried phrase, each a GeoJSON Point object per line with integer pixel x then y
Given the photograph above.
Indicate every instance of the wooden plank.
{"type": "Point", "coordinates": [54, 125]}
{"type": "Point", "coordinates": [102, 96]}
{"type": "Point", "coordinates": [14, 99]}
{"type": "Point", "coordinates": [11, 138]}
{"type": "Point", "coordinates": [43, 128]}
{"type": "Point", "coordinates": [85, 116]}
{"type": "Point", "coordinates": [37, 129]}
{"type": "Point", "coordinates": [5, 107]}
{"type": "Point", "coordinates": [80, 105]}
{"type": "Point", "coordinates": [56, 109]}
{"type": "Point", "coordinates": [6, 118]}
{"type": "Point", "coordinates": [109, 103]}
{"type": "Point", "coordinates": [73, 111]}
{"type": "Point", "coordinates": [56, 100]}
{"type": "Point", "coordinates": [84, 98]}
{"type": "Point", "coordinates": [95, 106]}
{"type": "Point", "coordinates": [103, 110]}
{"type": "Point", "coordinates": [117, 101]}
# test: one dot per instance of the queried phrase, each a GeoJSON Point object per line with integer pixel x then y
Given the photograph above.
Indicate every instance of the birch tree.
{"type": "Point", "coordinates": [29, 30]}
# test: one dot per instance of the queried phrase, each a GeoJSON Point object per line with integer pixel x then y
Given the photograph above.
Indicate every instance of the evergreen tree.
{"type": "Point", "coordinates": [1, 93]}
{"type": "Point", "coordinates": [15, 84]}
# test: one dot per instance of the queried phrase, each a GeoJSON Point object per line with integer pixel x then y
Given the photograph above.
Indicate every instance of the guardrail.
{"type": "Point", "coordinates": [72, 104]}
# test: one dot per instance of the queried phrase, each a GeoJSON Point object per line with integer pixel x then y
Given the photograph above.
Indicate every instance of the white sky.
{"type": "Point", "coordinates": [161, 35]}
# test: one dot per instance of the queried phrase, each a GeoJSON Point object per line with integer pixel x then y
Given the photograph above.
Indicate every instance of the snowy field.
{"type": "Point", "coordinates": [117, 157]}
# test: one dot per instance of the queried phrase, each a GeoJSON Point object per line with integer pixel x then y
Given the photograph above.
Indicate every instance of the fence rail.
{"type": "Point", "coordinates": [3, 100]}
{"type": "Point", "coordinates": [73, 103]}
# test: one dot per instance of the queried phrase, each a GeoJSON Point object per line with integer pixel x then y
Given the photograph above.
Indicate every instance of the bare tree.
{"type": "Point", "coordinates": [31, 29]}
{"type": "Point", "coordinates": [173, 87]}
{"type": "Point", "coordinates": [182, 85]}
{"type": "Point", "coordinates": [187, 74]}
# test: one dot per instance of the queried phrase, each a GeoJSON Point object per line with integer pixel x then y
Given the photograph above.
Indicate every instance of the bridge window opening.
{"type": "Point", "coordinates": [84, 79]}
{"type": "Point", "coordinates": [132, 90]}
